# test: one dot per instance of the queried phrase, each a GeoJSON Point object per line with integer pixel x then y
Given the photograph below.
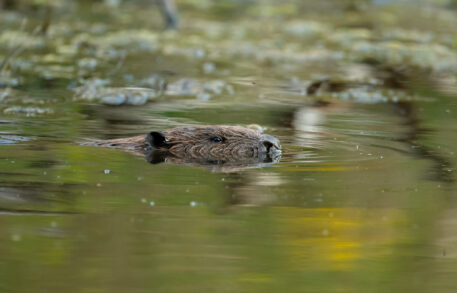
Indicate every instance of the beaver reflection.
{"type": "Point", "coordinates": [233, 147]}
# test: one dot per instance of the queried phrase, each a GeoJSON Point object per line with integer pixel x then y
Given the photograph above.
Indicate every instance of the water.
{"type": "Point", "coordinates": [361, 201]}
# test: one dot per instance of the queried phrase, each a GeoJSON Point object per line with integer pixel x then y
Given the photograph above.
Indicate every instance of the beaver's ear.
{"type": "Point", "coordinates": [156, 139]}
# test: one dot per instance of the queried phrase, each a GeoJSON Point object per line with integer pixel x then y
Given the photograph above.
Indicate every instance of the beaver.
{"type": "Point", "coordinates": [208, 144]}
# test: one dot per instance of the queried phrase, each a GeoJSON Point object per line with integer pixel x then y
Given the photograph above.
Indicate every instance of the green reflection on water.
{"type": "Point", "coordinates": [362, 200]}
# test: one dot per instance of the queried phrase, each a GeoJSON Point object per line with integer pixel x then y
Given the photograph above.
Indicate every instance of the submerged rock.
{"type": "Point", "coordinates": [116, 96]}
{"type": "Point", "coordinates": [134, 40]}
{"type": "Point", "coordinates": [7, 81]}
{"type": "Point", "coordinates": [368, 95]}
{"type": "Point", "coordinates": [114, 99]}
{"type": "Point", "coordinates": [88, 63]}
{"type": "Point", "coordinates": [155, 82]}
{"type": "Point", "coordinates": [96, 90]}
{"type": "Point", "coordinates": [12, 139]}
{"type": "Point", "coordinates": [199, 89]}
{"type": "Point", "coordinates": [184, 87]}
{"type": "Point", "coordinates": [15, 39]}
{"type": "Point", "coordinates": [209, 67]}
{"type": "Point", "coordinates": [306, 29]}
{"type": "Point", "coordinates": [28, 111]}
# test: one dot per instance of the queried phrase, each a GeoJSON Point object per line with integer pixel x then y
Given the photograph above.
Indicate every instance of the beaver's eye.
{"type": "Point", "coordinates": [217, 139]}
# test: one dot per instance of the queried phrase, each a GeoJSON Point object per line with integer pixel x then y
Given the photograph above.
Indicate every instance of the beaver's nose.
{"type": "Point", "coordinates": [271, 143]}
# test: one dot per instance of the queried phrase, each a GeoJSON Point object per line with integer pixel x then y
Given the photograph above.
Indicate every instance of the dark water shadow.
{"type": "Point", "coordinates": [440, 164]}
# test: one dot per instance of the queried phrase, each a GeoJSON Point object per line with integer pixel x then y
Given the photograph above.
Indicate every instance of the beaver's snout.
{"type": "Point", "coordinates": [269, 144]}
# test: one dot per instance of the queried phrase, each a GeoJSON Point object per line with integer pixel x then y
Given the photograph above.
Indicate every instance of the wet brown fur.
{"type": "Point", "coordinates": [198, 142]}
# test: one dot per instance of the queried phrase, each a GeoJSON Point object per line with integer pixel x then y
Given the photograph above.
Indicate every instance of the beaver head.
{"type": "Point", "coordinates": [228, 147]}
{"type": "Point", "coordinates": [214, 143]}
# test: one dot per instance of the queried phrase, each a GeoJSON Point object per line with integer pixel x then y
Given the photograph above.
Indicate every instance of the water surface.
{"type": "Point", "coordinates": [361, 201]}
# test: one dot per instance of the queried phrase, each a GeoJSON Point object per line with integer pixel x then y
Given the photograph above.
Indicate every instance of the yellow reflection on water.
{"type": "Point", "coordinates": [336, 238]}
